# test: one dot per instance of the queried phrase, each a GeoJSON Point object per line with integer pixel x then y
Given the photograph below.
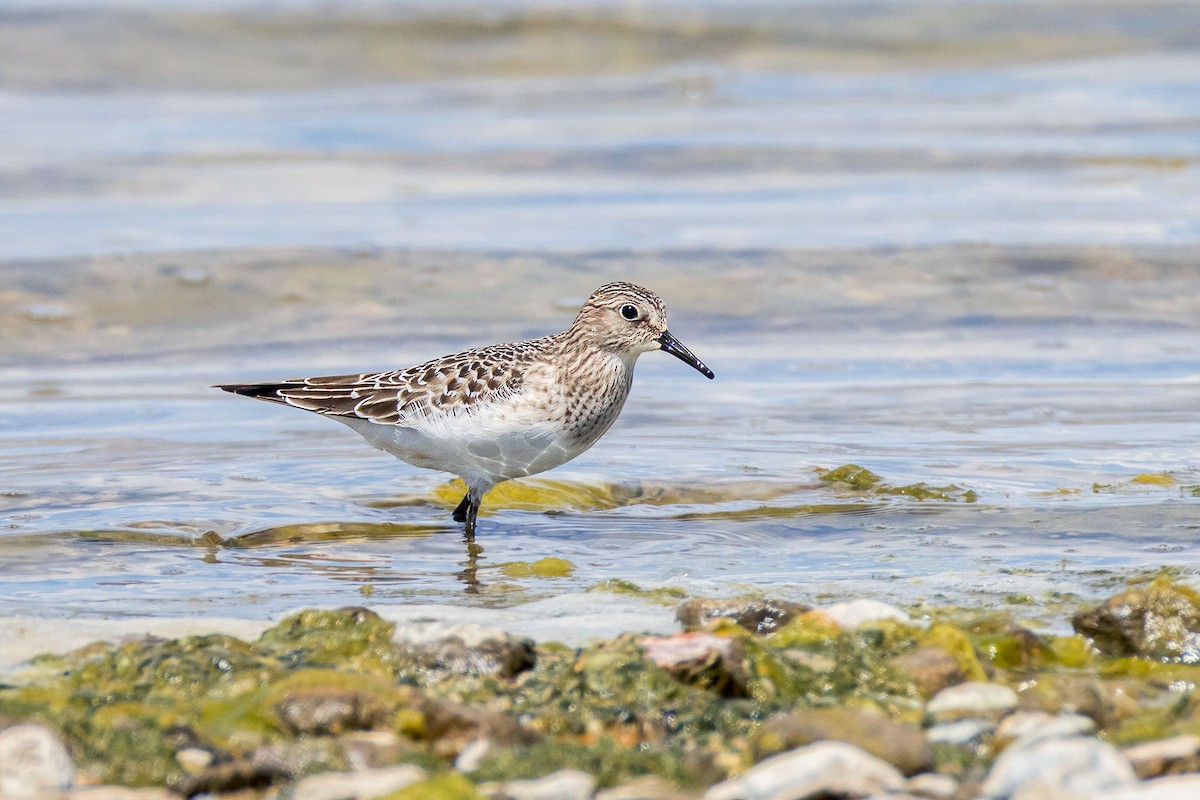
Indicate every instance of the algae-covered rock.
{"type": "Point", "coordinates": [1159, 619]}
{"type": "Point", "coordinates": [901, 744]}
{"type": "Point", "coordinates": [350, 637]}
{"type": "Point", "coordinates": [931, 669]}
{"type": "Point", "coordinates": [499, 655]}
{"type": "Point", "coordinates": [759, 616]}
{"type": "Point", "coordinates": [711, 662]}
{"type": "Point", "coordinates": [450, 726]}
{"type": "Point", "coordinates": [324, 701]}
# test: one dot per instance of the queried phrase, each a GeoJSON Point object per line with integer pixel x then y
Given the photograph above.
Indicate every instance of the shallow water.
{"type": "Point", "coordinates": [970, 261]}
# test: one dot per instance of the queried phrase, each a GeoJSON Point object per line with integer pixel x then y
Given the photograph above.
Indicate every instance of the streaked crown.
{"type": "Point", "coordinates": [622, 317]}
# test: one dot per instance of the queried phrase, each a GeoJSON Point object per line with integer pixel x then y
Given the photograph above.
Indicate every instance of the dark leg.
{"type": "Point", "coordinates": [460, 513]}
{"type": "Point", "coordinates": [472, 500]}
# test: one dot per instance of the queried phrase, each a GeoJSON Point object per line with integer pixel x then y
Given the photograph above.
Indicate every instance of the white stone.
{"type": "Point", "coordinates": [958, 733]}
{"type": "Point", "coordinates": [364, 785]}
{"type": "Point", "coordinates": [974, 700]}
{"type": "Point", "coordinates": [818, 770]}
{"type": "Point", "coordinates": [471, 756]}
{"type": "Point", "coordinates": [1024, 727]}
{"type": "Point", "coordinates": [932, 786]}
{"type": "Point", "coordinates": [1172, 787]}
{"type": "Point", "coordinates": [566, 784]}
{"type": "Point", "coordinates": [1074, 768]}
{"type": "Point", "coordinates": [856, 613]}
{"type": "Point", "coordinates": [33, 762]}
{"type": "Point", "coordinates": [120, 793]}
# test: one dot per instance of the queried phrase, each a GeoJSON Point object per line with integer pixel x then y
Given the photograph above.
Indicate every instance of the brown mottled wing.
{"type": "Point", "coordinates": [441, 385]}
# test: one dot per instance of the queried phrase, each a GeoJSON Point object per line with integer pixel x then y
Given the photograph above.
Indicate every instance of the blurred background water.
{"type": "Point", "coordinates": [953, 242]}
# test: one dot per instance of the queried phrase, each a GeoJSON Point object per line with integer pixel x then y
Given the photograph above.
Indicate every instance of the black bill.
{"type": "Point", "coordinates": [672, 345]}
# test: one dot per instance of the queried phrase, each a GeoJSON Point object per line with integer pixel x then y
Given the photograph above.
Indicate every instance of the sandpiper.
{"type": "Point", "coordinates": [504, 411]}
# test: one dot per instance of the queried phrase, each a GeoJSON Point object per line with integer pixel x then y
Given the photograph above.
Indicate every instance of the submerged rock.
{"type": "Point", "coordinates": [1074, 768]}
{"type": "Point", "coordinates": [759, 616]}
{"type": "Point", "coordinates": [901, 744]}
{"type": "Point", "coordinates": [33, 762]}
{"type": "Point", "coordinates": [822, 770]}
{"type": "Point", "coordinates": [1159, 620]}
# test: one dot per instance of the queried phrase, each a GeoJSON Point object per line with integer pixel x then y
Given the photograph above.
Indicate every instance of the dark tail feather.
{"type": "Point", "coordinates": [261, 391]}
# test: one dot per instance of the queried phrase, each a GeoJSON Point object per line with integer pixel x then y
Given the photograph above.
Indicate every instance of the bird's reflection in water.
{"type": "Point", "coordinates": [470, 573]}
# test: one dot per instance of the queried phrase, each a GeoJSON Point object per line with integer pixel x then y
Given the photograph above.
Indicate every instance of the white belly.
{"type": "Point", "coordinates": [477, 455]}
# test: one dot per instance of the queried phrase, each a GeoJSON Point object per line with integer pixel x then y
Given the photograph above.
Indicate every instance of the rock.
{"type": "Point", "coordinates": [960, 734]}
{"type": "Point", "coordinates": [901, 744]}
{"type": "Point", "coordinates": [1175, 787]}
{"type": "Point", "coordinates": [715, 663]}
{"type": "Point", "coordinates": [331, 709]}
{"type": "Point", "coordinates": [1027, 726]}
{"type": "Point", "coordinates": [1159, 620]}
{"type": "Point", "coordinates": [648, 787]}
{"type": "Point", "coordinates": [363, 785]}
{"type": "Point", "coordinates": [825, 769]}
{"type": "Point", "coordinates": [452, 726]}
{"type": "Point", "coordinates": [857, 613]}
{"type": "Point", "coordinates": [464, 649]}
{"type": "Point", "coordinates": [932, 669]}
{"type": "Point", "coordinates": [120, 793]}
{"type": "Point", "coordinates": [1165, 756]}
{"type": "Point", "coordinates": [230, 776]}
{"type": "Point", "coordinates": [194, 760]}
{"type": "Point", "coordinates": [473, 755]}
{"type": "Point", "coordinates": [566, 784]}
{"type": "Point", "coordinates": [1106, 702]}
{"type": "Point", "coordinates": [374, 749]}
{"type": "Point", "coordinates": [760, 616]}
{"type": "Point", "coordinates": [33, 762]}
{"type": "Point", "coordinates": [1075, 768]}
{"type": "Point", "coordinates": [932, 785]}
{"type": "Point", "coordinates": [974, 700]}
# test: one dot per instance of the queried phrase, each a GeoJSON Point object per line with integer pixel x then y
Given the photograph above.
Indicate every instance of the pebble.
{"type": "Point", "coordinates": [857, 613]}
{"type": "Point", "coordinates": [120, 793]}
{"type": "Point", "coordinates": [715, 663]}
{"type": "Point", "coordinates": [1074, 768]}
{"type": "Point", "coordinates": [566, 784]}
{"type": "Point", "coordinates": [961, 733]}
{"type": "Point", "coordinates": [1165, 756]}
{"type": "Point", "coordinates": [932, 669]}
{"type": "Point", "coordinates": [975, 700]}
{"type": "Point", "coordinates": [33, 762]}
{"type": "Point", "coordinates": [825, 769]}
{"type": "Point", "coordinates": [364, 785]}
{"type": "Point", "coordinates": [1027, 726]}
{"type": "Point", "coordinates": [373, 749]}
{"type": "Point", "coordinates": [1174, 787]}
{"type": "Point", "coordinates": [932, 786]}
{"type": "Point", "coordinates": [648, 787]}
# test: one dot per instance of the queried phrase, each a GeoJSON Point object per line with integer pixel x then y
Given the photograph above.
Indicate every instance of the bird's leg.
{"type": "Point", "coordinates": [460, 513]}
{"type": "Point", "coordinates": [471, 501]}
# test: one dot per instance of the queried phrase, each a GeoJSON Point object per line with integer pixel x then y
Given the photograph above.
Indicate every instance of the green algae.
{"type": "Point", "coordinates": [664, 595]}
{"type": "Point", "coordinates": [853, 478]}
{"type": "Point", "coordinates": [542, 568]}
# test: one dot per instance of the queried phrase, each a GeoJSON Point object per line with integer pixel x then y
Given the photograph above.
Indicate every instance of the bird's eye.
{"type": "Point", "coordinates": [629, 312]}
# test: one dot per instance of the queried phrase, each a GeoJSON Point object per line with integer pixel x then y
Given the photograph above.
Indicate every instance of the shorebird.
{"type": "Point", "coordinates": [504, 411]}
